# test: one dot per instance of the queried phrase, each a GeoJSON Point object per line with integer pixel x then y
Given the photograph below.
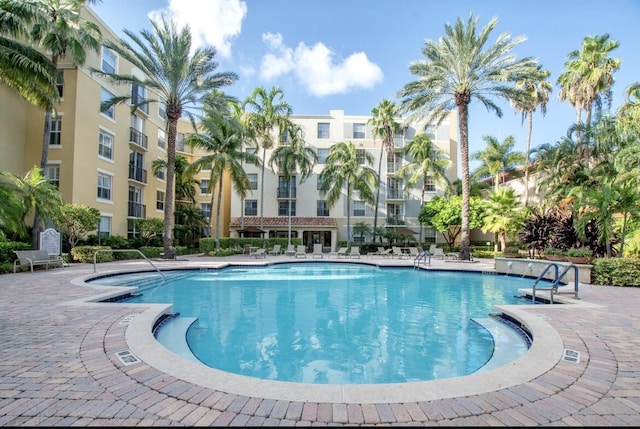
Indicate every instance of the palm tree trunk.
{"type": "Point", "coordinates": [289, 222]}
{"type": "Point", "coordinates": [264, 154]}
{"type": "Point", "coordinates": [463, 118]}
{"type": "Point", "coordinates": [526, 166]}
{"type": "Point", "coordinates": [375, 213]}
{"type": "Point", "coordinates": [167, 237]}
{"type": "Point", "coordinates": [217, 212]}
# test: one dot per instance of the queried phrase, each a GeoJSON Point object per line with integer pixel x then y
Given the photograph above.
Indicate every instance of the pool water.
{"type": "Point", "coordinates": [334, 322]}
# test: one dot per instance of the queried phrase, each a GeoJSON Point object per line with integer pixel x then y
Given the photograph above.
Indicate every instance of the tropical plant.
{"type": "Point", "coordinates": [11, 209]}
{"type": "Point", "coordinates": [445, 216]}
{"type": "Point", "coordinates": [266, 112]}
{"type": "Point", "coordinates": [150, 230]}
{"type": "Point", "coordinates": [76, 221]}
{"type": "Point", "coordinates": [178, 76]}
{"type": "Point", "coordinates": [458, 69]}
{"type": "Point", "coordinates": [363, 230]}
{"type": "Point", "coordinates": [497, 160]}
{"type": "Point", "coordinates": [554, 251]}
{"type": "Point", "coordinates": [579, 252]}
{"type": "Point", "coordinates": [343, 170]}
{"type": "Point", "coordinates": [291, 157]}
{"type": "Point", "coordinates": [502, 215]}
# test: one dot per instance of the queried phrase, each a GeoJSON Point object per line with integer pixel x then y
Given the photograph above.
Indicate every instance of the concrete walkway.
{"type": "Point", "coordinates": [59, 365]}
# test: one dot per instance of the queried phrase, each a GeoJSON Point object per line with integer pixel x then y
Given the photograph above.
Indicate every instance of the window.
{"type": "Point", "coordinates": [283, 208]}
{"type": "Point", "coordinates": [360, 156]}
{"type": "Point", "coordinates": [323, 130]}
{"type": "Point", "coordinates": [105, 145]}
{"type": "Point", "coordinates": [322, 156]}
{"type": "Point", "coordinates": [206, 210]}
{"type": "Point", "coordinates": [138, 95]}
{"type": "Point", "coordinates": [319, 183]}
{"type": "Point", "coordinates": [322, 209]}
{"type": "Point", "coordinates": [253, 179]}
{"type": "Point", "coordinates": [136, 208]}
{"type": "Point", "coordinates": [251, 207]}
{"type": "Point", "coordinates": [429, 235]}
{"type": "Point", "coordinates": [180, 142]}
{"type": "Point", "coordinates": [204, 186]}
{"type": "Point", "coordinates": [109, 60]}
{"type": "Point", "coordinates": [104, 226]}
{"type": "Point", "coordinates": [60, 82]}
{"type": "Point", "coordinates": [207, 167]}
{"type": "Point", "coordinates": [104, 186]}
{"type": "Point", "coordinates": [132, 230]}
{"type": "Point", "coordinates": [430, 185]}
{"type": "Point", "coordinates": [159, 200]}
{"type": "Point", "coordinates": [52, 173]}
{"type": "Point", "coordinates": [162, 110]}
{"type": "Point", "coordinates": [161, 173]}
{"type": "Point", "coordinates": [358, 208]}
{"type": "Point", "coordinates": [358, 131]}
{"type": "Point", "coordinates": [162, 139]}
{"type": "Point", "coordinates": [284, 138]}
{"type": "Point", "coordinates": [105, 96]}
{"type": "Point", "coordinates": [137, 171]}
{"type": "Point", "coordinates": [56, 130]}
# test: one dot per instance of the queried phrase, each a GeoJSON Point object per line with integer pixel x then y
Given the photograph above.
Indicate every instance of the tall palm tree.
{"type": "Point", "coordinates": [291, 157]}
{"type": "Point", "coordinates": [497, 159]}
{"type": "Point", "coordinates": [267, 116]}
{"type": "Point", "coordinates": [22, 67]}
{"type": "Point", "coordinates": [535, 93]}
{"type": "Point", "coordinates": [178, 75]}
{"type": "Point", "coordinates": [457, 69]}
{"type": "Point", "coordinates": [427, 162]}
{"type": "Point", "coordinates": [221, 137]}
{"type": "Point", "coordinates": [385, 127]}
{"type": "Point", "coordinates": [343, 170]}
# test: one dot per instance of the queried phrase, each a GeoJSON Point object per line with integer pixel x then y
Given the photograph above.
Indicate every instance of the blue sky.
{"type": "Point", "coordinates": [351, 54]}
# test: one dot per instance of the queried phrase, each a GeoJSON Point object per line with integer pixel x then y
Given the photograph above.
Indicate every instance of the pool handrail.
{"type": "Point", "coordinates": [553, 290]}
{"type": "Point", "coordinates": [95, 254]}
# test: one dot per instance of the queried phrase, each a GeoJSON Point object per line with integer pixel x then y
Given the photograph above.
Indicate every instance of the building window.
{"type": "Point", "coordinates": [60, 82]}
{"type": "Point", "coordinates": [284, 138]}
{"type": "Point", "coordinates": [55, 132]}
{"type": "Point", "coordinates": [429, 235]}
{"type": "Point", "coordinates": [52, 173]}
{"type": "Point", "coordinates": [105, 145]}
{"type": "Point", "coordinates": [360, 156]}
{"type": "Point", "coordinates": [104, 226]}
{"type": "Point", "coordinates": [132, 230]}
{"type": "Point", "coordinates": [160, 200]}
{"type": "Point", "coordinates": [104, 186]}
{"type": "Point", "coordinates": [358, 131]}
{"type": "Point", "coordinates": [138, 95]}
{"type": "Point", "coordinates": [430, 185]}
{"type": "Point", "coordinates": [109, 60]}
{"type": "Point", "coordinates": [251, 150]}
{"type": "Point", "coordinates": [162, 110]}
{"type": "Point", "coordinates": [160, 173]}
{"type": "Point", "coordinates": [162, 139]}
{"type": "Point", "coordinates": [322, 209]}
{"type": "Point", "coordinates": [322, 156]}
{"type": "Point", "coordinates": [207, 167]}
{"type": "Point", "coordinates": [251, 207]}
{"type": "Point", "coordinates": [253, 180]}
{"type": "Point", "coordinates": [358, 208]}
{"type": "Point", "coordinates": [204, 186]}
{"type": "Point", "coordinates": [206, 210]}
{"type": "Point", "coordinates": [104, 97]}
{"type": "Point", "coordinates": [323, 130]}
{"type": "Point", "coordinates": [180, 142]}
{"type": "Point", "coordinates": [283, 208]}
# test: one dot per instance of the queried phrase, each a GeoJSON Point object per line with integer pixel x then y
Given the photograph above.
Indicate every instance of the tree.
{"type": "Point", "coordinates": [535, 92]}
{"type": "Point", "coordinates": [385, 126]}
{"type": "Point", "coordinates": [502, 215]}
{"type": "Point", "coordinates": [427, 165]}
{"type": "Point", "coordinates": [11, 211]}
{"type": "Point", "coordinates": [445, 216]}
{"type": "Point", "coordinates": [362, 229]}
{"type": "Point", "coordinates": [266, 112]}
{"type": "Point", "coordinates": [150, 230]}
{"type": "Point", "coordinates": [76, 221]}
{"type": "Point", "coordinates": [178, 75]}
{"type": "Point", "coordinates": [456, 70]}
{"type": "Point", "coordinates": [291, 157]}
{"type": "Point", "coordinates": [497, 159]}
{"type": "Point", "coordinates": [344, 170]}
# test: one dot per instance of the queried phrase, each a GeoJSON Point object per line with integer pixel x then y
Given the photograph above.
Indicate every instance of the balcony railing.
{"type": "Point", "coordinates": [137, 210]}
{"type": "Point", "coordinates": [395, 220]}
{"type": "Point", "coordinates": [394, 194]}
{"type": "Point", "coordinates": [137, 137]}
{"type": "Point", "coordinates": [398, 142]}
{"type": "Point", "coordinates": [284, 192]}
{"type": "Point", "coordinates": [138, 174]}
{"type": "Point", "coordinates": [392, 167]}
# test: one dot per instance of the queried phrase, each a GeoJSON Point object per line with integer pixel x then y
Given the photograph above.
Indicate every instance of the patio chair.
{"type": "Point", "coordinates": [354, 252]}
{"type": "Point", "coordinates": [258, 253]}
{"type": "Point", "coordinates": [317, 250]}
{"type": "Point", "coordinates": [276, 250]}
{"type": "Point", "coordinates": [291, 250]}
{"type": "Point", "coordinates": [301, 251]}
{"type": "Point", "coordinates": [397, 253]}
{"type": "Point", "coordinates": [340, 253]}
{"type": "Point", "coordinates": [377, 252]}
{"type": "Point", "coordinates": [437, 253]}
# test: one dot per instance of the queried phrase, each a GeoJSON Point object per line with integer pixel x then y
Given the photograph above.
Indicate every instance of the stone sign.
{"type": "Point", "coordinates": [50, 241]}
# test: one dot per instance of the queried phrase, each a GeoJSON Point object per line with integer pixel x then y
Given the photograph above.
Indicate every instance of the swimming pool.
{"type": "Point", "coordinates": [333, 322]}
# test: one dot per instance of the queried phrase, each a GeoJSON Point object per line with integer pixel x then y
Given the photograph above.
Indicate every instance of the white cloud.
{"type": "Point", "coordinates": [213, 22]}
{"type": "Point", "coordinates": [317, 68]}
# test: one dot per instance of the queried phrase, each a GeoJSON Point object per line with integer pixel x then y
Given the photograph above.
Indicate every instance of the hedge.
{"type": "Point", "coordinates": [616, 271]}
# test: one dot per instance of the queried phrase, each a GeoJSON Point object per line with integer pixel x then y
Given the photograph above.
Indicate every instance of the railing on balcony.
{"type": "Point", "coordinates": [138, 174]}
{"type": "Point", "coordinates": [137, 210]}
{"type": "Point", "coordinates": [392, 167]}
{"type": "Point", "coordinates": [137, 137]}
{"type": "Point", "coordinates": [284, 192]}
{"type": "Point", "coordinates": [395, 220]}
{"type": "Point", "coordinates": [398, 142]}
{"type": "Point", "coordinates": [394, 194]}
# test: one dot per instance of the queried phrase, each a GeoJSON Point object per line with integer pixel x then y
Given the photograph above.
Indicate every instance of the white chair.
{"type": "Point", "coordinates": [340, 253]}
{"type": "Point", "coordinates": [317, 251]}
{"type": "Point", "coordinates": [259, 253]}
{"type": "Point", "coordinates": [301, 251]}
{"type": "Point", "coordinates": [354, 252]}
{"type": "Point", "coordinates": [276, 250]}
{"type": "Point", "coordinates": [291, 250]}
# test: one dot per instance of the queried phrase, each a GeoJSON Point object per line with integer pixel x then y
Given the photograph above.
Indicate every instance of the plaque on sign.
{"type": "Point", "coordinates": [50, 241]}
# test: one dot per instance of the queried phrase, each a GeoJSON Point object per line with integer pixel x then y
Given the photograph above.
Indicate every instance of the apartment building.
{"type": "Point", "coordinates": [312, 220]}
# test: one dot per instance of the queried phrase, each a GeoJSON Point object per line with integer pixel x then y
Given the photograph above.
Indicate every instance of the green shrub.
{"type": "Point", "coordinates": [85, 254]}
{"type": "Point", "coordinates": [616, 271]}
{"type": "Point", "coordinates": [579, 252]}
{"type": "Point", "coordinates": [554, 251]}
{"type": "Point", "coordinates": [6, 251]}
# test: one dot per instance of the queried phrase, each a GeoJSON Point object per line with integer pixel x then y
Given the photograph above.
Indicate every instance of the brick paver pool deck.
{"type": "Point", "coordinates": [58, 366]}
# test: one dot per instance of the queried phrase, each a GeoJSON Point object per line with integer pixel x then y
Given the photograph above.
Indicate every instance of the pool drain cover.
{"type": "Point", "coordinates": [127, 358]}
{"type": "Point", "coordinates": [128, 318]}
{"type": "Point", "coordinates": [571, 356]}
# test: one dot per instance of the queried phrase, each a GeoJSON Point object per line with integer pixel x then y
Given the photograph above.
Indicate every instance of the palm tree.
{"type": "Point", "coordinates": [384, 125]}
{"type": "Point", "coordinates": [11, 209]}
{"type": "Point", "coordinates": [497, 159]}
{"type": "Point", "coordinates": [23, 67]}
{"type": "Point", "coordinates": [535, 93]}
{"type": "Point", "coordinates": [344, 170]}
{"type": "Point", "coordinates": [427, 163]}
{"type": "Point", "coordinates": [221, 136]}
{"type": "Point", "coordinates": [502, 215]}
{"type": "Point", "coordinates": [458, 69]}
{"type": "Point", "coordinates": [266, 112]}
{"type": "Point", "coordinates": [291, 157]}
{"type": "Point", "coordinates": [178, 76]}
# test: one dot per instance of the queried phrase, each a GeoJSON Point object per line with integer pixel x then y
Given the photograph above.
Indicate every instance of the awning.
{"type": "Point", "coordinates": [251, 229]}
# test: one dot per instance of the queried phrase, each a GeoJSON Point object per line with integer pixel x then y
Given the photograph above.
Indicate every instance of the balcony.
{"type": "Point", "coordinates": [392, 167]}
{"type": "Point", "coordinates": [137, 210]}
{"type": "Point", "coordinates": [138, 174]}
{"type": "Point", "coordinates": [137, 138]}
{"type": "Point", "coordinates": [395, 194]}
{"type": "Point", "coordinates": [284, 193]}
{"type": "Point", "coordinates": [395, 220]}
{"type": "Point", "coordinates": [399, 142]}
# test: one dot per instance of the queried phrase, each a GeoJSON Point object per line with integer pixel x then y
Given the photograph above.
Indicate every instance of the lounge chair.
{"type": "Point", "coordinates": [398, 253]}
{"type": "Point", "coordinates": [436, 252]}
{"type": "Point", "coordinates": [301, 251]}
{"type": "Point", "coordinates": [387, 253]}
{"type": "Point", "coordinates": [291, 250]}
{"type": "Point", "coordinates": [258, 253]}
{"type": "Point", "coordinates": [377, 252]}
{"type": "Point", "coordinates": [354, 252]}
{"type": "Point", "coordinates": [414, 251]}
{"type": "Point", "coordinates": [340, 253]}
{"type": "Point", "coordinates": [276, 250]}
{"type": "Point", "coordinates": [317, 251]}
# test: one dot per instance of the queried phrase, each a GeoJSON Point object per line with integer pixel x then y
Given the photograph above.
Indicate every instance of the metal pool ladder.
{"type": "Point", "coordinates": [558, 276]}
{"type": "Point", "coordinates": [126, 250]}
{"type": "Point", "coordinates": [422, 256]}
